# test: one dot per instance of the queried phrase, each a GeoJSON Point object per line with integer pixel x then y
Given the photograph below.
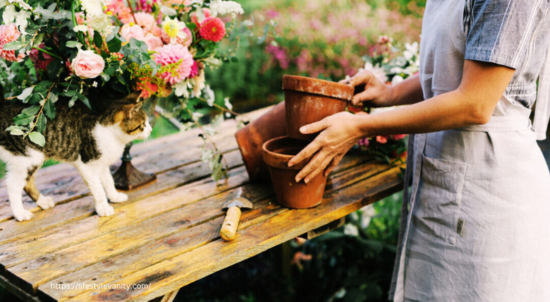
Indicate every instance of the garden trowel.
{"type": "Point", "coordinates": [233, 216]}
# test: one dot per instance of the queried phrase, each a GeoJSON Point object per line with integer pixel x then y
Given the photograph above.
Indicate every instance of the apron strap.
{"type": "Point", "coordinates": [542, 110]}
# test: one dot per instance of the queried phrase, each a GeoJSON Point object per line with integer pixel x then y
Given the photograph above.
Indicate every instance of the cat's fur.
{"type": "Point", "coordinates": [91, 141]}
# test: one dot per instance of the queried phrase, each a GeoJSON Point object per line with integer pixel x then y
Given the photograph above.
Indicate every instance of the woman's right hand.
{"type": "Point", "coordinates": [375, 93]}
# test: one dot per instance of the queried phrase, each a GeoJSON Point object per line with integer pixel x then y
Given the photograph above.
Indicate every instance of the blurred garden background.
{"type": "Point", "coordinates": [324, 39]}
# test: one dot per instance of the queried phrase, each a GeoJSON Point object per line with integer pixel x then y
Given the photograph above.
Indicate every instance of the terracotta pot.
{"type": "Point", "coordinates": [277, 153]}
{"type": "Point", "coordinates": [251, 138]}
{"type": "Point", "coordinates": [310, 100]}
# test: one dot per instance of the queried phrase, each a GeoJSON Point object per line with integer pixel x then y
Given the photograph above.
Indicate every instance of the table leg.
{"type": "Point", "coordinates": [169, 297]}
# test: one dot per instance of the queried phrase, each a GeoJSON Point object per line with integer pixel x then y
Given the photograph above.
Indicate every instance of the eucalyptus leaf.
{"type": "Point", "coordinates": [25, 94]}
{"type": "Point", "coordinates": [37, 138]}
{"type": "Point", "coordinates": [13, 45]}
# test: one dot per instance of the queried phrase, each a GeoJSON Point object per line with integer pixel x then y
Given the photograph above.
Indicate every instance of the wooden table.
{"type": "Point", "coordinates": [166, 235]}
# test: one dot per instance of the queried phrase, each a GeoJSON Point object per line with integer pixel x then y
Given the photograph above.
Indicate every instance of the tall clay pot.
{"type": "Point", "coordinates": [251, 138]}
{"type": "Point", "coordinates": [310, 100]}
{"type": "Point", "coordinates": [277, 153]}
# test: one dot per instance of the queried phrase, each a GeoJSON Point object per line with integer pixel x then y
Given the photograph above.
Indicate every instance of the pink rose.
{"type": "Point", "coordinates": [87, 64]}
{"type": "Point", "coordinates": [153, 42]}
{"type": "Point", "coordinates": [128, 32]}
{"type": "Point", "coordinates": [397, 137]}
{"type": "Point", "coordinates": [381, 139]}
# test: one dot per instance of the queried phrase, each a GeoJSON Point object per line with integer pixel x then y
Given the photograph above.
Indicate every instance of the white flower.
{"type": "Point", "coordinates": [228, 104]}
{"type": "Point", "coordinates": [9, 14]}
{"type": "Point", "coordinates": [93, 7]}
{"type": "Point", "coordinates": [82, 28]}
{"type": "Point", "coordinates": [101, 24]}
{"type": "Point", "coordinates": [396, 80]}
{"type": "Point", "coordinates": [249, 23]}
{"type": "Point", "coordinates": [209, 95]}
{"type": "Point", "coordinates": [182, 88]}
{"type": "Point", "coordinates": [94, 84]}
{"type": "Point", "coordinates": [366, 215]}
{"type": "Point", "coordinates": [411, 50]}
{"type": "Point", "coordinates": [350, 229]}
{"type": "Point", "coordinates": [218, 7]}
{"type": "Point", "coordinates": [378, 72]}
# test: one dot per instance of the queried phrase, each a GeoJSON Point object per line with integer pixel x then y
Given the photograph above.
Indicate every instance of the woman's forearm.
{"type": "Point", "coordinates": [407, 92]}
{"type": "Point", "coordinates": [472, 103]}
{"type": "Point", "coordinates": [443, 112]}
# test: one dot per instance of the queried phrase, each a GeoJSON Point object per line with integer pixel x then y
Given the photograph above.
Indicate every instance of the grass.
{"type": "Point", "coordinates": [162, 127]}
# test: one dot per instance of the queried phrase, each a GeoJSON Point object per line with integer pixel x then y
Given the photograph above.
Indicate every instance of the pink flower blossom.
{"type": "Point", "coordinates": [212, 29]}
{"type": "Point", "coordinates": [364, 143]}
{"type": "Point", "coordinates": [147, 88]}
{"type": "Point", "coordinates": [153, 42]}
{"type": "Point", "coordinates": [146, 21]}
{"type": "Point", "coordinates": [382, 139]}
{"type": "Point", "coordinates": [9, 33]}
{"type": "Point", "coordinates": [194, 70]}
{"type": "Point", "coordinates": [87, 64]}
{"type": "Point", "coordinates": [147, 5]}
{"type": "Point", "coordinates": [40, 64]}
{"type": "Point", "coordinates": [397, 137]}
{"type": "Point", "coordinates": [128, 32]}
{"type": "Point", "coordinates": [172, 54]}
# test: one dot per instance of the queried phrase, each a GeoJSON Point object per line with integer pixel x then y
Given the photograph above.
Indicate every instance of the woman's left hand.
{"type": "Point", "coordinates": [339, 133]}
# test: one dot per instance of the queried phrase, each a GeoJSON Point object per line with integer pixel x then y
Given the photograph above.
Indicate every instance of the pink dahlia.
{"type": "Point", "coordinates": [194, 70]}
{"type": "Point", "coordinates": [174, 54]}
{"type": "Point", "coordinates": [184, 39]}
{"type": "Point", "coordinates": [212, 29]}
{"type": "Point", "coordinates": [9, 33]}
{"type": "Point", "coordinates": [40, 64]}
{"type": "Point", "coordinates": [397, 137]}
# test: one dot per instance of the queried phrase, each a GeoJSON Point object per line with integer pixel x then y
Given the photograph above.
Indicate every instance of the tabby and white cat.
{"type": "Point", "coordinates": [90, 141]}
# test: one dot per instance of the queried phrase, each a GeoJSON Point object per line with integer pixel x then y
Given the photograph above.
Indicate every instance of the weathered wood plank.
{"type": "Point", "coordinates": [181, 270]}
{"type": "Point", "coordinates": [31, 274]}
{"type": "Point", "coordinates": [123, 268]}
{"type": "Point", "coordinates": [47, 241]}
{"type": "Point", "coordinates": [84, 207]}
{"type": "Point", "coordinates": [156, 251]}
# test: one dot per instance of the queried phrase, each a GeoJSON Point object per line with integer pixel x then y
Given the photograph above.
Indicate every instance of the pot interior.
{"type": "Point", "coordinates": [286, 146]}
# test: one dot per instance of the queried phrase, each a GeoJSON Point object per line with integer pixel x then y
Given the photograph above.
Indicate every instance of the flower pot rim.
{"type": "Point", "coordinates": [317, 86]}
{"type": "Point", "coordinates": [278, 160]}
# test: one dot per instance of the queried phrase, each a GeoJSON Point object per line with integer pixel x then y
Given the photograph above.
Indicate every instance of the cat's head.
{"type": "Point", "coordinates": [133, 121]}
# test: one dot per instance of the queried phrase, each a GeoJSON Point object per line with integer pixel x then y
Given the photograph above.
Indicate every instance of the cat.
{"type": "Point", "coordinates": [89, 140]}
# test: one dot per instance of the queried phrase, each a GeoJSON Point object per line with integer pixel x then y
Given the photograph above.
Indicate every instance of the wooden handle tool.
{"type": "Point", "coordinates": [233, 217]}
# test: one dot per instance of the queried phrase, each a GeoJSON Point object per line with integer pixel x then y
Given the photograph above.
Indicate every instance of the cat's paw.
{"type": "Point", "coordinates": [22, 215]}
{"type": "Point", "coordinates": [45, 202]}
{"type": "Point", "coordinates": [104, 209]}
{"type": "Point", "coordinates": [118, 197]}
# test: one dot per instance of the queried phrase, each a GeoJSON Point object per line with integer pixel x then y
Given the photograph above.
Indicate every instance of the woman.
{"type": "Point", "coordinates": [477, 223]}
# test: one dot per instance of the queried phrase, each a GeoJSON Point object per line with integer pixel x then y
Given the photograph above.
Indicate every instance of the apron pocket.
{"type": "Point", "coordinates": [440, 195]}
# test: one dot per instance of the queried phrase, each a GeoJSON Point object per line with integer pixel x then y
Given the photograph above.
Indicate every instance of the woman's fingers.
{"type": "Point", "coordinates": [308, 151]}
{"type": "Point", "coordinates": [314, 127]}
{"type": "Point", "coordinates": [367, 95]}
{"type": "Point", "coordinates": [335, 161]}
{"type": "Point", "coordinates": [313, 164]}
{"type": "Point", "coordinates": [319, 169]}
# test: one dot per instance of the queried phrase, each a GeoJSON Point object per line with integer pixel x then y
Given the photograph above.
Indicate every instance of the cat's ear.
{"type": "Point", "coordinates": [127, 111]}
{"type": "Point", "coordinates": [133, 98]}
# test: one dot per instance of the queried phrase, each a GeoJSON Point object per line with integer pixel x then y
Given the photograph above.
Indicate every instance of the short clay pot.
{"type": "Point", "coordinates": [310, 100]}
{"type": "Point", "coordinates": [277, 153]}
{"type": "Point", "coordinates": [251, 138]}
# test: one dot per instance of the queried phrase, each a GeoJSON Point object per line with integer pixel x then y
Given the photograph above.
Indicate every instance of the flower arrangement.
{"type": "Point", "coordinates": [391, 66]}
{"type": "Point", "coordinates": [78, 49]}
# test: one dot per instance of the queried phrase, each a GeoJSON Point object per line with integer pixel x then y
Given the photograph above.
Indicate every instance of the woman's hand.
{"type": "Point", "coordinates": [339, 134]}
{"type": "Point", "coordinates": [376, 93]}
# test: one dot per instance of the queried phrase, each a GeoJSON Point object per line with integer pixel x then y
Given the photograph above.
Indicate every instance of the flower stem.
{"type": "Point", "coordinates": [132, 10]}
{"type": "Point", "coordinates": [45, 51]}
